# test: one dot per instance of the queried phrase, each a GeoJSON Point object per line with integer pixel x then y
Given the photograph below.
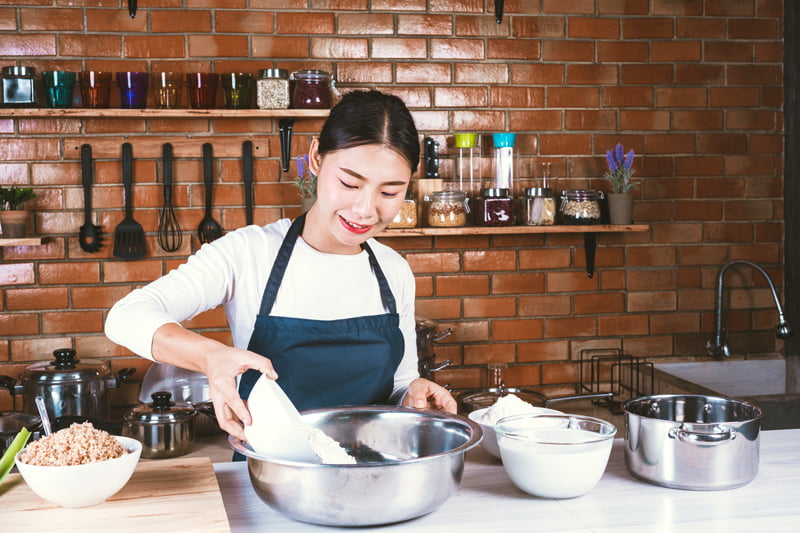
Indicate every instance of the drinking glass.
{"type": "Point", "coordinates": [95, 88]}
{"type": "Point", "coordinates": [202, 87]}
{"type": "Point", "coordinates": [132, 89]}
{"type": "Point", "coordinates": [238, 90]}
{"type": "Point", "coordinates": [58, 88]}
{"type": "Point", "coordinates": [167, 89]}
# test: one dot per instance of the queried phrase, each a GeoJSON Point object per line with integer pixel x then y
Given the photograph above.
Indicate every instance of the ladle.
{"type": "Point", "coordinates": [278, 430]}
{"type": "Point", "coordinates": [46, 428]}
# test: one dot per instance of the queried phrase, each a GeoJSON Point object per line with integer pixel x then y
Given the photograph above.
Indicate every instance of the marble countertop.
{"type": "Point", "coordinates": [488, 501]}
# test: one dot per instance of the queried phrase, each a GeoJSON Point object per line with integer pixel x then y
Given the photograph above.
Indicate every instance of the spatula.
{"type": "Point", "coordinates": [209, 230]}
{"type": "Point", "coordinates": [90, 236]}
{"type": "Point", "coordinates": [129, 239]}
{"type": "Point", "coordinates": [278, 429]}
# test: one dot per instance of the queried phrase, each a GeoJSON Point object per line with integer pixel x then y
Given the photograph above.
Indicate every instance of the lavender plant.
{"type": "Point", "coordinates": [619, 169]}
{"type": "Point", "coordinates": [306, 180]}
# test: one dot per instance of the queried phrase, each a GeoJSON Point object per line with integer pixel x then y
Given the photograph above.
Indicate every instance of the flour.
{"type": "Point", "coordinates": [328, 449]}
{"type": "Point", "coordinates": [508, 405]}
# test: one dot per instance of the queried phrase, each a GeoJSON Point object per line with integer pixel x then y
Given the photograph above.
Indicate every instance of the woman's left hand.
{"type": "Point", "coordinates": [425, 394]}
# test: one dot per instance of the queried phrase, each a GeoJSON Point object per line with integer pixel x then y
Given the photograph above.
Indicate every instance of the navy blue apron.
{"type": "Point", "coordinates": [327, 363]}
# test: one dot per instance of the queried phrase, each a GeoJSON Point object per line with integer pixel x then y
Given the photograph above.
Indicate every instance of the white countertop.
{"type": "Point", "coordinates": [488, 501]}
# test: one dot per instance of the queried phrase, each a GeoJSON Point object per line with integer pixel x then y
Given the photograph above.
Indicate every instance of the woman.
{"type": "Point", "coordinates": [315, 303]}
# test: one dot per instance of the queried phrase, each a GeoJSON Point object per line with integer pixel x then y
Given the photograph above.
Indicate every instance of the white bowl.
{"type": "Point", "coordinates": [82, 485]}
{"type": "Point", "coordinates": [555, 456]}
{"type": "Point", "coordinates": [489, 442]}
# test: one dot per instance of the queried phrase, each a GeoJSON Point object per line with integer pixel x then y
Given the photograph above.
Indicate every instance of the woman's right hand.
{"type": "Point", "coordinates": [223, 366]}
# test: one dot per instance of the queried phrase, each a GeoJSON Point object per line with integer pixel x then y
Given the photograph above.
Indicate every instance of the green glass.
{"type": "Point", "coordinates": [238, 89]}
{"type": "Point", "coordinates": [58, 88]}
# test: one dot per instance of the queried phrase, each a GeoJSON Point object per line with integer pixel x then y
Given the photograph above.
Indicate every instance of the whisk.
{"type": "Point", "coordinates": [169, 231]}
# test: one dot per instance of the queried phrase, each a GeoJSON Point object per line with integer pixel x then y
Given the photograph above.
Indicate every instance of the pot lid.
{"type": "Point", "coordinates": [475, 399]}
{"type": "Point", "coordinates": [65, 368]}
{"type": "Point", "coordinates": [161, 411]}
{"type": "Point", "coordinates": [12, 423]}
{"type": "Point", "coordinates": [184, 385]}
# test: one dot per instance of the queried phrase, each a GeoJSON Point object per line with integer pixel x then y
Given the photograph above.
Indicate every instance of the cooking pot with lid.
{"type": "Point", "coordinates": [165, 428]}
{"type": "Point", "coordinates": [692, 442]}
{"type": "Point", "coordinates": [69, 386]}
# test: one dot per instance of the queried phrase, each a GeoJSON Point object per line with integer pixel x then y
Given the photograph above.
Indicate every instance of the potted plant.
{"type": "Point", "coordinates": [307, 183]}
{"type": "Point", "coordinates": [13, 218]}
{"type": "Point", "coordinates": [620, 199]}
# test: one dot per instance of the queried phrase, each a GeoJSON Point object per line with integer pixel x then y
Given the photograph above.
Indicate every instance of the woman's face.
{"type": "Point", "coordinates": [359, 192]}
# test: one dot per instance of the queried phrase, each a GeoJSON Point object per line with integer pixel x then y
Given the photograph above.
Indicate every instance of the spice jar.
{"type": "Point", "coordinates": [537, 207]}
{"type": "Point", "coordinates": [494, 207]}
{"type": "Point", "coordinates": [19, 87]}
{"type": "Point", "coordinates": [272, 89]}
{"type": "Point", "coordinates": [312, 89]}
{"type": "Point", "coordinates": [580, 206]}
{"type": "Point", "coordinates": [447, 209]}
{"type": "Point", "coordinates": [407, 216]}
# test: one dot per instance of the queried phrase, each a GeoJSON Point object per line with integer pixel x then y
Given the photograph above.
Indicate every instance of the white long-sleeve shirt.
{"type": "Point", "coordinates": [233, 271]}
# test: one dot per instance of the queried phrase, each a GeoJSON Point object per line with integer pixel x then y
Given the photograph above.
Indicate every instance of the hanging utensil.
{"type": "Point", "coordinates": [169, 230]}
{"type": "Point", "coordinates": [129, 239]}
{"type": "Point", "coordinates": [209, 230]}
{"type": "Point", "coordinates": [498, 11]}
{"type": "Point", "coordinates": [285, 129]}
{"type": "Point", "coordinates": [132, 8]}
{"type": "Point", "coordinates": [247, 176]}
{"type": "Point", "coordinates": [89, 237]}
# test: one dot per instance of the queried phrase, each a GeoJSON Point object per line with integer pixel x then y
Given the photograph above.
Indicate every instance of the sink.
{"type": "Point", "coordinates": [761, 381]}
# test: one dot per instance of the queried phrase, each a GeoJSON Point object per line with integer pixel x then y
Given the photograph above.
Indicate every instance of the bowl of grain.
{"type": "Point", "coordinates": [78, 466]}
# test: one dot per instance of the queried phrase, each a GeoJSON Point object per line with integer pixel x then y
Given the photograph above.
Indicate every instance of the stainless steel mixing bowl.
{"type": "Point", "coordinates": [410, 461]}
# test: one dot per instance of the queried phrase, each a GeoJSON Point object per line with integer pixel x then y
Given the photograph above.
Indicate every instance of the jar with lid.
{"type": "Point", "coordinates": [19, 87]}
{"type": "Point", "coordinates": [272, 89]}
{"type": "Point", "coordinates": [407, 216]}
{"type": "Point", "coordinates": [580, 206]}
{"type": "Point", "coordinates": [494, 207]}
{"type": "Point", "coordinates": [447, 209]}
{"type": "Point", "coordinates": [537, 207]}
{"type": "Point", "coordinates": [312, 89]}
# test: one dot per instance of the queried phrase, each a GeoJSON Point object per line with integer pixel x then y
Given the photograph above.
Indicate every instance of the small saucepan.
{"type": "Point", "coordinates": [165, 428]}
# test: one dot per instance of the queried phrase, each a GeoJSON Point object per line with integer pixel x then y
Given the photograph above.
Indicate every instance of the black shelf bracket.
{"type": "Point", "coordinates": [285, 128]}
{"type": "Point", "coordinates": [589, 247]}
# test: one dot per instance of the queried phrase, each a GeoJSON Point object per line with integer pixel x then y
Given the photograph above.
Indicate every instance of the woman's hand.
{"type": "Point", "coordinates": [222, 369]}
{"type": "Point", "coordinates": [425, 394]}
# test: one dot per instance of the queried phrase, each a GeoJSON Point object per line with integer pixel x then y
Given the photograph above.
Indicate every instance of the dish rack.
{"type": "Point", "coordinates": [609, 370]}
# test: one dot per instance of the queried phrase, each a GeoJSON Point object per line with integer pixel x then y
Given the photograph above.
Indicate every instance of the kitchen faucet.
{"type": "Point", "coordinates": [719, 344]}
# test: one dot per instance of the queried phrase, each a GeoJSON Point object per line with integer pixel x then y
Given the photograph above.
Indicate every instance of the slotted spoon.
{"type": "Point", "coordinates": [209, 229]}
{"type": "Point", "coordinates": [169, 230]}
{"type": "Point", "coordinates": [129, 239]}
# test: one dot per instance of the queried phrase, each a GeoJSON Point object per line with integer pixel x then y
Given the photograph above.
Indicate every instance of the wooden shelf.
{"type": "Point", "coordinates": [513, 230]}
{"type": "Point", "coordinates": [22, 241]}
{"type": "Point", "coordinates": [81, 112]}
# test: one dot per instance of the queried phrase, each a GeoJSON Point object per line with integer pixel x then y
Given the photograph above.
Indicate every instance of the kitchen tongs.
{"type": "Point", "coordinates": [90, 236]}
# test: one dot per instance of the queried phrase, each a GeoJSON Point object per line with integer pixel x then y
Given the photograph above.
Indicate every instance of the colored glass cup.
{"type": "Point", "coordinates": [202, 89]}
{"type": "Point", "coordinates": [238, 90]}
{"type": "Point", "coordinates": [58, 88]}
{"type": "Point", "coordinates": [95, 88]}
{"type": "Point", "coordinates": [167, 88]}
{"type": "Point", "coordinates": [132, 89]}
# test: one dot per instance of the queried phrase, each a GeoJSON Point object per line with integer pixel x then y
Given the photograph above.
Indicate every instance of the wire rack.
{"type": "Point", "coordinates": [609, 370]}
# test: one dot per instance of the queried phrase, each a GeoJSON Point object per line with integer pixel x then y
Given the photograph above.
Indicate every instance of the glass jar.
{"type": "Point", "coordinates": [272, 89]}
{"type": "Point", "coordinates": [407, 216]}
{"type": "Point", "coordinates": [19, 87]}
{"type": "Point", "coordinates": [580, 206]}
{"type": "Point", "coordinates": [312, 89]}
{"type": "Point", "coordinates": [537, 207]}
{"type": "Point", "coordinates": [494, 207]}
{"type": "Point", "coordinates": [447, 209]}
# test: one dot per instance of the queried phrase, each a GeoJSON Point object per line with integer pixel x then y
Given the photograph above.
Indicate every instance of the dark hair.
{"type": "Point", "coordinates": [371, 117]}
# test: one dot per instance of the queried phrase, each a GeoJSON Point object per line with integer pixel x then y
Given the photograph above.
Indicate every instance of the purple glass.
{"type": "Point", "coordinates": [132, 89]}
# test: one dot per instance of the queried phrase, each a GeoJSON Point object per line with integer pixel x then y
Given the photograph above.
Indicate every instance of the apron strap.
{"type": "Point", "coordinates": [282, 261]}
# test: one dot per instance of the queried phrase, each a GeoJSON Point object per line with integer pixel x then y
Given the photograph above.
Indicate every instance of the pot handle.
{"type": "Point", "coordinates": [579, 397]}
{"type": "Point", "coordinates": [122, 375]}
{"type": "Point", "coordinates": [436, 337]}
{"type": "Point", "coordinates": [703, 439]}
{"type": "Point", "coordinates": [7, 382]}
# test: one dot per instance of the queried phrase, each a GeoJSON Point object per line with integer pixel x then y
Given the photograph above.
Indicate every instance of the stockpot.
{"type": "Point", "coordinates": [692, 442]}
{"type": "Point", "coordinates": [69, 386]}
{"type": "Point", "coordinates": [165, 428]}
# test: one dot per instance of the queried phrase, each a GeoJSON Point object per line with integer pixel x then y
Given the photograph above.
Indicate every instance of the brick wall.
{"type": "Point", "coordinates": [695, 87]}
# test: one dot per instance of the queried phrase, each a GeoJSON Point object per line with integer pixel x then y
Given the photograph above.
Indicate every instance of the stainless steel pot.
{"type": "Point", "coordinates": [165, 428]}
{"type": "Point", "coordinates": [410, 461]}
{"type": "Point", "coordinates": [12, 423]}
{"type": "Point", "coordinates": [426, 336]}
{"type": "Point", "coordinates": [69, 386]}
{"type": "Point", "coordinates": [692, 442]}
